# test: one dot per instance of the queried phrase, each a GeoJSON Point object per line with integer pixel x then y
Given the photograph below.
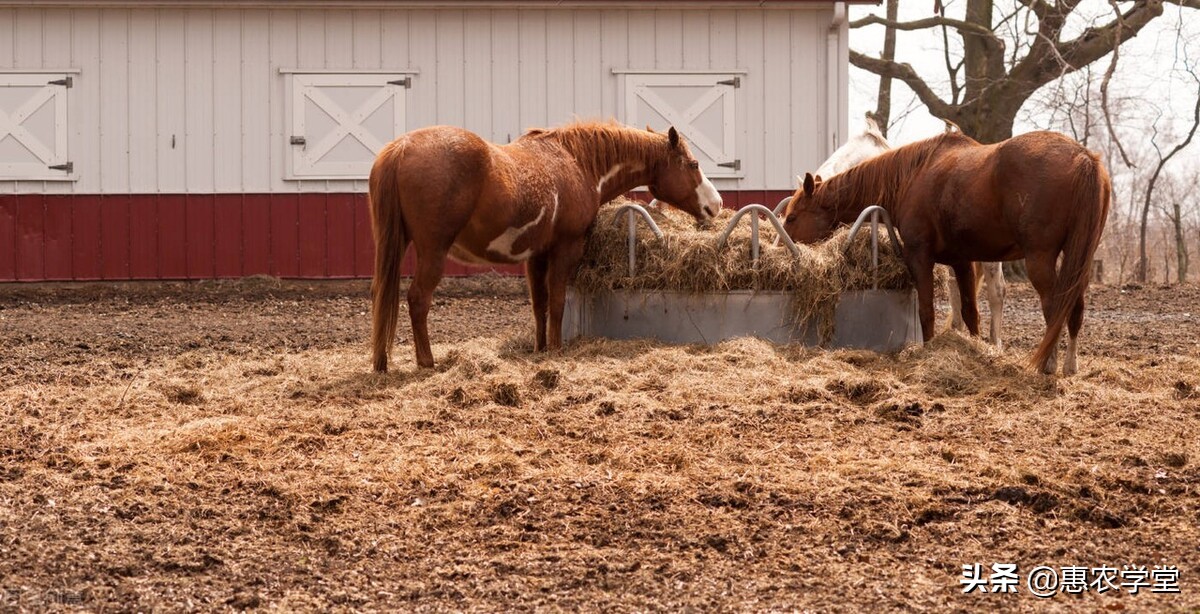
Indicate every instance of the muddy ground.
{"type": "Point", "coordinates": [222, 445]}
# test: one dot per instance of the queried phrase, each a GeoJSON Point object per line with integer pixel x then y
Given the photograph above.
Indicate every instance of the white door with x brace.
{"type": "Point", "coordinates": [700, 106]}
{"type": "Point", "coordinates": [341, 121]}
{"type": "Point", "coordinates": [33, 126]}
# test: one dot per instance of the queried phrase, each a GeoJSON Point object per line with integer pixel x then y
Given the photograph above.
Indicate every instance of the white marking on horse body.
{"type": "Point", "coordinates": [709, 197]}
{"type": "Point", "coordinates": [503, 244]}
{"type": "Point", "coordinates": [466, 256]}
{"type": "Point", "coordinates": [554, 211]}
{"type": "Point", "coordinates": [612, 172]}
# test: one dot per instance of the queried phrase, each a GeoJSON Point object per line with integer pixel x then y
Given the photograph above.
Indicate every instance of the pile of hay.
{"type": "Point", "coordinates": [687, 259]}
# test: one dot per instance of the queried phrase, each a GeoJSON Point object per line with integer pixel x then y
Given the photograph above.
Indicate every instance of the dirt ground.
{"type": "Point", "coordinates": [222, 445]}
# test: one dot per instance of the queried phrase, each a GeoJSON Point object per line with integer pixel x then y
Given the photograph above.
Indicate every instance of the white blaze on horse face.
{"type": "Point", "coordinates": [503, 244]}
{"type": "Point", "coordinates": [708, 197]}
{"type": "Point", "coordinates": [612, 172]}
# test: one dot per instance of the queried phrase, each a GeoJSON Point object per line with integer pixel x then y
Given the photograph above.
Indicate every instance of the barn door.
{"type": "Point", "coordinates": [341, 121]}
{"type": "Point", "coordinates": [33, 126]}
{"type": "Point", "coordinates": [701, 106]}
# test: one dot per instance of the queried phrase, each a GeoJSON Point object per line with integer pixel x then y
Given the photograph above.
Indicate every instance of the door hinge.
{"type": "Point", "coordinates": [297, 140]}
{"type": "Point", "coordinates": [65, 82]}
{"type": "Point", "coordinates": [735, 165]}
{"type": "Point", "coordinates": [69, 167]}
{"type": "Point", "coordinates": [735, 82]}
{"type": "Point", "coordinates": [406, 82]}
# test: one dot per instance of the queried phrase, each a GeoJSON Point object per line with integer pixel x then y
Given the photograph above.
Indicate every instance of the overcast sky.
{"type": "Point", "coordinates": [1148, 69]}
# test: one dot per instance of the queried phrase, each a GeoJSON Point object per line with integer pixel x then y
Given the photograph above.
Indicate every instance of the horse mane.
{"type": "Point", "coordinates": [881, 180]}
{"type": "Point", "coordinates": [598, 145]}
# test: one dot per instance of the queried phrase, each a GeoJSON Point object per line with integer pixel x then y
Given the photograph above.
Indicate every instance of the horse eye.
{"type": "Point", "coordinates": [693, 164]}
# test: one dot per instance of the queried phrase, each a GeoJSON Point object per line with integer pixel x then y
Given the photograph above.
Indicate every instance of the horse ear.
{"type": "Point", "coordinates": [799, 181]}
{"type": "Point", "coordinates": [810, 184]}
{"type": "Point", "coordinates": [650, 130]}
{"type": "Point", "coordinates": [817, 180]}
{"type": "Point", "coordinates": [673, 137]}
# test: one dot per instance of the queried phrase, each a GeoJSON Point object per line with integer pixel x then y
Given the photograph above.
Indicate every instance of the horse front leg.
{"type": "Point", "coordinates": [535, 274]}
{"type": "Point", "coordinates": [420, 296]}
{"type": "Point", "coordinates": [560, 269]}
{"type": "Point", "coordinates": [920, 266]}
{"type": "Point", "coordinates": [964, 275]}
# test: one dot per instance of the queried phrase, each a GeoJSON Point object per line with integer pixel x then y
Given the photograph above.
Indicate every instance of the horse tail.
{"type": "Point", "coordinates": [1092, 193]}
{"type": "Point", "coordinates": [387, 226]}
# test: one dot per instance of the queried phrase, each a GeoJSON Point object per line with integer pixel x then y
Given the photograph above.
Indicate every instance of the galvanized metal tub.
{"type": "Point", "coordinates": [879, 320]}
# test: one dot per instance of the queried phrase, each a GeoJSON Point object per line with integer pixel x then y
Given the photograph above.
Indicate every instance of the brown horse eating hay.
{"type": "Point", "coordinates": [452, 194]}
{"type": "Point", "coordinates": [955, 201]}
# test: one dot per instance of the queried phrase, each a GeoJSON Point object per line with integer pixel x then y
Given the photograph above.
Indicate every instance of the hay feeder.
{"type": "Point", "coordinates": [883, 320]}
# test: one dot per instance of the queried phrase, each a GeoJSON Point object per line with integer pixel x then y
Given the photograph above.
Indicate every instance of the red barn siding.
{"type": "Point", "coordinates": [85, 237]}
{"type": "Point", "coordinates": [58, 239]}
{"type": "Point", "coordinates": [172, 235]}
{"type": "Point", "coordinates": [202, 236]}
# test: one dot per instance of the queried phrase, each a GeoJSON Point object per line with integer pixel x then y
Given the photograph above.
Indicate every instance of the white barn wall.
{"type": "Point", "coordinates": [191, 100]}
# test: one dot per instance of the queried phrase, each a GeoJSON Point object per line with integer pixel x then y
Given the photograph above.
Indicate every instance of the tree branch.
{"type": "Point", "coordinates": [928, 22]}
{"type": "Point", "coordinates": [1095, 43]}
{"type": "Point", "coordinates": [1108, 74]}
{"type": "Point", "coordinates": [905, 73]}
{"type": "Point", "coordinates": [1048, 60]}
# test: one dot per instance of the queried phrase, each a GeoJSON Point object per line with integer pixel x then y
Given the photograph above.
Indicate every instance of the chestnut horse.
{"type": "Point", "coordinates": [955, 201]}
{"type": "Point", "coordinates": [871, 143]}
{"type": "Point", "coordinates": [452, 194]}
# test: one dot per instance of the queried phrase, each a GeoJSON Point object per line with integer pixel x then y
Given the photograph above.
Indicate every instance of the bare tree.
{"type": "Point", "coordinates": [1178, 207]}
{"type": "Point", "coordinates": [1007, 55]}
{"type": "Point", "coordinates": [1143, 262]}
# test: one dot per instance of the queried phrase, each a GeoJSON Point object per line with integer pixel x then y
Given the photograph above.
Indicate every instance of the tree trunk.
{"type": "Point", "coordinates": [988, 119]}
{"type": "Point", "coordinates": [1181, 250]}
{"type": "Point", "coordinates": [883, 104]}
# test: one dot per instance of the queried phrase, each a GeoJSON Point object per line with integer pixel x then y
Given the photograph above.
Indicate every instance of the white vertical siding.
{"type": "Point", "coordinates": [505, 70]}
{"type": "Point", "coordinates": [198, 102]}
{"type": "Point", "coordinates": [192, 100]}
{"type": "Point", "coordinates": [84, 104]}
{"type": "Point", "coordinates": [145, 145]}
{"type": "Point", "coordinates": [256, 102]}
{"type": "Point", "coordinates": [227, 97]}
{"type": "Point", "coordinates": [115, 94]}
{"type": "Point", "coordinates": [171, 111]}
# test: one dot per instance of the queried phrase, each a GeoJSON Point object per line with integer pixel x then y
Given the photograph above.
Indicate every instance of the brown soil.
{"type": "Point", "coordinates": [223, 446]}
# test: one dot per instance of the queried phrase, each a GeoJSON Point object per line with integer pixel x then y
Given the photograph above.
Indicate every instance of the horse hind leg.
{"type": "Point", "coordinates": [430, 267]}
{"type": "Point", "coordinates": [956, 320]}
{"type": "Point", "coordinates": [1074, 323]}
{"type": "Point", "coordinates": [1042, 273]}
{"type": "Point", "coordinates": [993, 278]}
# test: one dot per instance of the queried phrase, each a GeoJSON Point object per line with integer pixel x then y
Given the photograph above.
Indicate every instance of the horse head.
{"type": "Point", "coordinates": [678, 181]}
{"type": "Point", "coordinates": [810, 217]}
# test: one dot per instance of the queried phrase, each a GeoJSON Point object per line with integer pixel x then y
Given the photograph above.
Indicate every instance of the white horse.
{"type": "Point", "coordinates": [872, 143]}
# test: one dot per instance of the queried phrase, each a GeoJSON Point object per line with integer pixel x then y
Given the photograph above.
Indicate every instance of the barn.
{"type": "Point", "coordinates": [145, 139]}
